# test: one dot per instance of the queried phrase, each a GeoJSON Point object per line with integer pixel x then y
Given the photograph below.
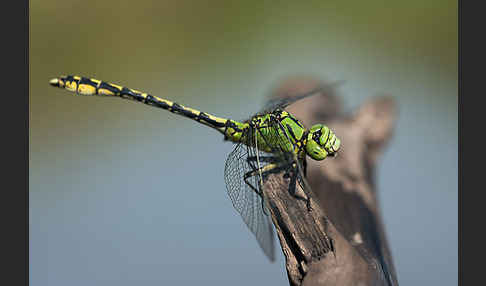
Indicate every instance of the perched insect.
{"type": "Point", "coordinates": [272, 141]}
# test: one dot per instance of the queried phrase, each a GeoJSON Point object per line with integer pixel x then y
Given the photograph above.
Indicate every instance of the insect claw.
{"type": "Point", "coordinates": [308, 203]}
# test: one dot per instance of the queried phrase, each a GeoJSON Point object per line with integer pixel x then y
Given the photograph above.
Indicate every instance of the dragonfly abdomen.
{"type": "Point", "coordinates": [89, 86]}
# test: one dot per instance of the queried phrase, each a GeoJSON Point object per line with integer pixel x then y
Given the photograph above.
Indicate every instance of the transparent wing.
{"type": "Point", "coordinates": [281, 103]}
{"type": "Point", "coordinates": [245, 200]}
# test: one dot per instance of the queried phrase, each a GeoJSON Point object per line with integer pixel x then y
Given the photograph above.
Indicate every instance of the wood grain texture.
{"type": "Point", "coordinates": [341, 240]}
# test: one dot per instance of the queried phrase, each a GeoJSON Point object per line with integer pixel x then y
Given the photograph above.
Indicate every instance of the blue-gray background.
{"type": "Point", "coordinates": [125, 194]}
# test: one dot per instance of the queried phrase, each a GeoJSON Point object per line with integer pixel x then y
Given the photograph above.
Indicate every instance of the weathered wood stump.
{"type": "Point", "coordinates": [341, 240]}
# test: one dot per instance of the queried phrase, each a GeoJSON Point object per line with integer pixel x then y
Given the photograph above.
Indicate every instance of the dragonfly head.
{"type": "Point", "coordinates": [321, 142]}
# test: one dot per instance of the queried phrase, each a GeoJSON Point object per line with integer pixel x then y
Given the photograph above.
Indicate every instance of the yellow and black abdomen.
{"type": "Point", "coordinates": [88, 86]}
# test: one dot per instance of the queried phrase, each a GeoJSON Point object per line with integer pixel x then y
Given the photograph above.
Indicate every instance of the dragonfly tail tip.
{"type": "Point", "coordinates": [54, 82]}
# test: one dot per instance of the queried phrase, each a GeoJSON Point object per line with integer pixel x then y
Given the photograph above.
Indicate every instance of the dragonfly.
{"type": "Point", "coordinates": [271, 142]}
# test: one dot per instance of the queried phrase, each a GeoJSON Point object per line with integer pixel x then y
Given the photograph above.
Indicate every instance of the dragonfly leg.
{"type": "Point", "coordinates": [267, 159]}
{"type": "Point", "coordinates": [254, 159]}
{"type": "Point", "coordinates": [303, 184]}
{"type": "Point", "coordinates": [304, 166]}
{"type": "Point", "coordinates": [246, 177]}
{"type": "Point", "coordinates": [266, 170]}
{"type": "Point", "coordinates": [292, 184]}
{"type": "Point", "coordinates": [263, 171]}
{"type": "Point", "coordinates": [259, 192]}
{"type": "Point", "coordinates": [292, 174]}
{"type": "Point", "coordinates": [292, 188]}
{"type": "Point", "coordinates": [297, 167]}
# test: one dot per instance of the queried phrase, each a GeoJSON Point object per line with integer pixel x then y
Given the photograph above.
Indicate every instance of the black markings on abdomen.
{"type": "Point", "coordinates": [177, 108]}
{"type": "Point", "coordinates": [153, 101]}
{"type": "Point", "coordinates": [87, 81]}
{"type": "Point", "coordinates": [70, 78]}
{"type": "Point", "coordinates": [205, 117]}
{"type": "Point", "coordinates": [107, 86]}
{"type": "Point", "coordinates": [125, 92]}
{"type": "Point", "coordinates": [231, 124]}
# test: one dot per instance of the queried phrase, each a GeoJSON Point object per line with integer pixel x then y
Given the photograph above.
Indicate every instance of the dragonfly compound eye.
{"type": "Point", "coordinates": [313, 146]}
{"type": "Point", "coordinates": [330, 142]}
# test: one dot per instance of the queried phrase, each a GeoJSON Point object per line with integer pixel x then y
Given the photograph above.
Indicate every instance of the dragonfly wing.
{"type": "Point", "coordinates": [245, 200]}
{"type": "Point", "coordinates": [281, 103]}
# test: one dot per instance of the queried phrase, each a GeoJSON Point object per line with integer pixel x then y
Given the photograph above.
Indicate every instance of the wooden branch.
{"type": "Point", "coordinates": [341, 240]}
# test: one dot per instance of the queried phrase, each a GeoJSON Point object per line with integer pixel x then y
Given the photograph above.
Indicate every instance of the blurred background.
{"type": "Point", "coordinates": [125, 194]}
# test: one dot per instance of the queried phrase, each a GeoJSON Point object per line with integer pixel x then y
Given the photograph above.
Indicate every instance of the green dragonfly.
{"type": "Point", "coordinates": [272, 141]}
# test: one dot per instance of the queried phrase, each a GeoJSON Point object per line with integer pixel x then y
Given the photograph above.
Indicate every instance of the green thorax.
{"type": "Point", "coordinates": [278, 130]}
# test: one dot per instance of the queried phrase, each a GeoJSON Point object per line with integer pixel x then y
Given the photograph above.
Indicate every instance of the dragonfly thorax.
{"type": "Point", "coordinates": [276, 132]}
{"type": "Point", "coordinates": [281, 130]}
